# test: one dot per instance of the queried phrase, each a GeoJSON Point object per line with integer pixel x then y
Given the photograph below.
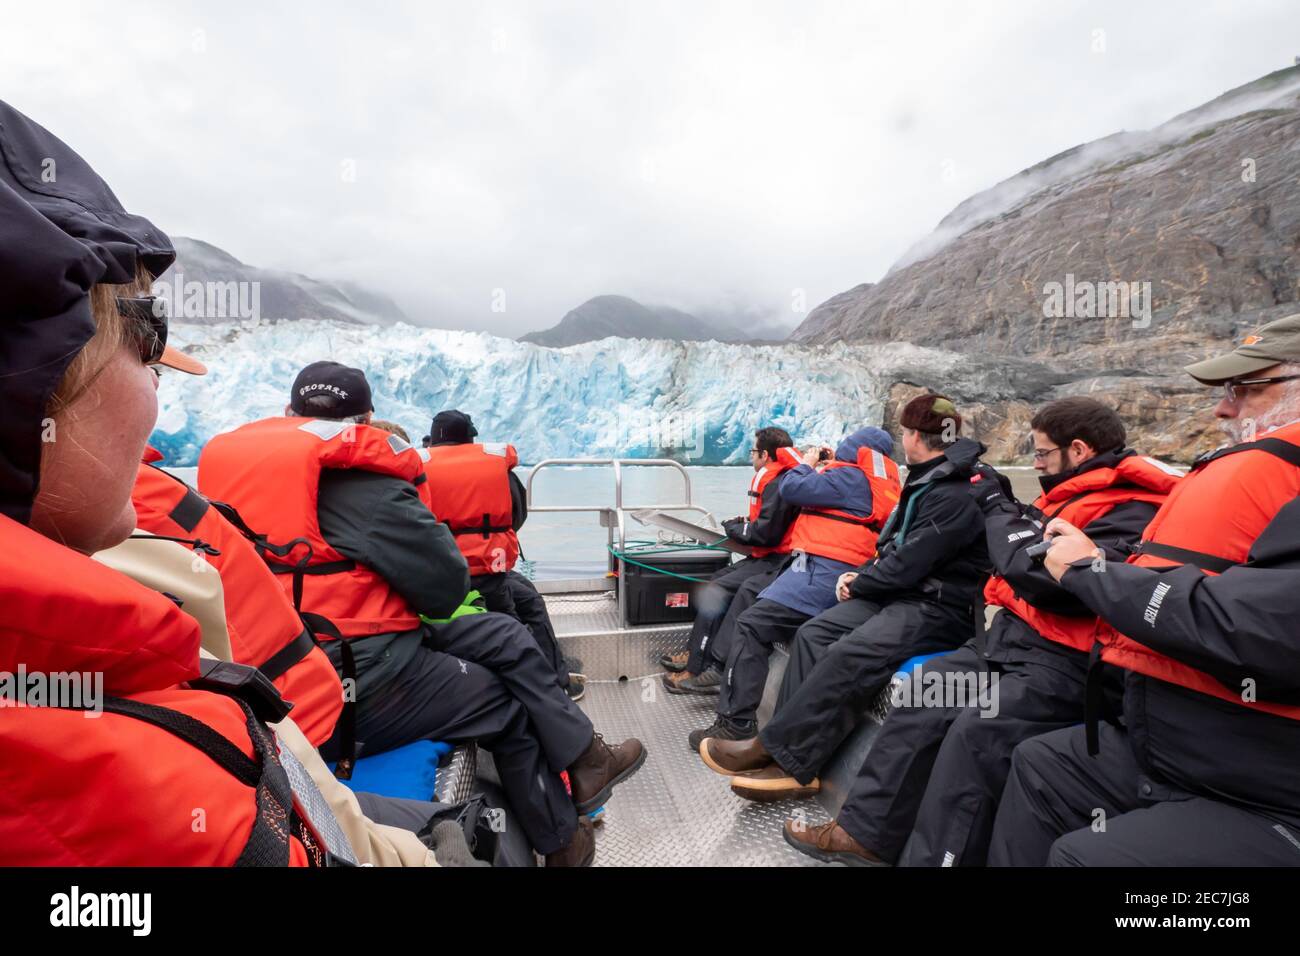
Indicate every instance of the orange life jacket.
{"type": "Point", "coordinates": [117, 789]}
{"type": "Point", "coordinates": [265, 631]}
{"type": "Point", "coordinates": [762, 479]}
{"type": "Point", "coordinates": [1081, 500]}
{"type": "Point", "coordinates": [270, 471]}
{"type": "Point", "coordinates": [469, 488]}
{"type": "Point", "coordinates": [1212, 520]}
{"type": "Point", "coordinates": [841, 535]}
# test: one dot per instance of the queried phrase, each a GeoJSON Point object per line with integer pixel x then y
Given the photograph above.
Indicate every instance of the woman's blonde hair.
{"type": "Point", "coordinates": [112, 331]}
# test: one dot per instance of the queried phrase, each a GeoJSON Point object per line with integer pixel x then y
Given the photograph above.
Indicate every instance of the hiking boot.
{"type": "Point", "coordinates": [724, 728]}
{"type": "Point", "coordinates": [675, 663]}
{"type": "Point", "coordinates": [772, 783]}
{"type": "Point", "coordinates": [576, 688]}
{"type": "Point", "coordinates": [830, 843]}
{"type": "Point", "coordinates": [581, 850]}
{"type": "Point", "coordinates": [593, 776]}
{"type": "Point", "coordinates": [707, 682]}
{"type": "Point", "coordinates": [730, 757]}
{"type": "Point", "coordinates": [670, 681]}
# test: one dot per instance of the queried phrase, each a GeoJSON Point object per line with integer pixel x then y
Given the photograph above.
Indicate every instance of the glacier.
{"type": "Point", "coordinates": [696, 402]}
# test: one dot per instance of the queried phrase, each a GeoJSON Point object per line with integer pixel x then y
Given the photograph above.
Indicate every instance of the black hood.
{"type": "Point", "coordinates": [62, 231]}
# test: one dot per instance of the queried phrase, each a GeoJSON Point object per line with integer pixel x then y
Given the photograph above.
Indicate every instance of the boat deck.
{"type": "Point", "coordinates": [675, 811]}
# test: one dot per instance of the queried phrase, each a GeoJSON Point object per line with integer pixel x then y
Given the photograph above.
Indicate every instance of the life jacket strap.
{"type": "Point", "coordinates": [278, 664]}
{"type": "Point", "coordinates": [1095, 707]}
{"type": "Point", "coordinates": [347, 726]}
{"type": "Point", "coordinates": [1201, 559]}
{"type": "Point", "coordinates": [1277, 447]}
{"type": "Point", "coordinates": [486, 528]}
{"type": "Point", "coordinates": [847, 519]}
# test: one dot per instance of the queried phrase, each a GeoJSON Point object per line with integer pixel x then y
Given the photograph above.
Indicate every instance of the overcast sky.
{"type": "Point", "coordinates": [698, 154]}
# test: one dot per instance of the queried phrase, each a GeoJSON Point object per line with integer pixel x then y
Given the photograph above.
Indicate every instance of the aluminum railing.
{"type": "Point", "coordinates": [613, 518]}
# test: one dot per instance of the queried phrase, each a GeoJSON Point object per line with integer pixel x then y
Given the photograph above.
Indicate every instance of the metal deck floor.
{"type": "Point", "coordinates": [675, 811]}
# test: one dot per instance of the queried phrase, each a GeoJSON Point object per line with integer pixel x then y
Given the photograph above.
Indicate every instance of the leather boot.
{"type": "Point", "coordinates": [730, 757]}
{"type": "Point", "coordinates": [593, 776]}
{"type": "Point", "coordinates": [581, 850]}
{"type": "Point", "coordinates": [829, 843]}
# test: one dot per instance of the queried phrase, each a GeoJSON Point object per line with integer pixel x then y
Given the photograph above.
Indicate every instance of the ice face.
{"type": "Point", "coordinates": [697, 402]}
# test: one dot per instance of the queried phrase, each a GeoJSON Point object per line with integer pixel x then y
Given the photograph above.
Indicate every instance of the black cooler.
{"type": "Point", "coordinates": [655, 598]}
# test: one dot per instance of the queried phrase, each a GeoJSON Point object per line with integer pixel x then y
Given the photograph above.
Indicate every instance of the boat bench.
{"type": "Point", "coordinates": [841, 771]}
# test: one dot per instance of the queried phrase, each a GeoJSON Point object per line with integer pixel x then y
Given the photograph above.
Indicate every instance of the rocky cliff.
{"type": "Point", "coordinates": [1199, 219]}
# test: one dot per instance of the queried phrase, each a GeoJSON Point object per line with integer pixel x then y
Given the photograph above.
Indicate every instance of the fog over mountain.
{"type": "Point", "coordinates": [491, 166]}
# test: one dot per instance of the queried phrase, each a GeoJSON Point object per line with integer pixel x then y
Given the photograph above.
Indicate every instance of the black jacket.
{"type": "Point", "coordinates": [932, 547]}
{"type": "Point", "coordinates": [379, 521]}
{"type": "Point", "coordinates": [775, 515]}
{"type": "Point", "coordinates": [1237, 626]}
{"type": "Point", "coordinates": [1010, 639]}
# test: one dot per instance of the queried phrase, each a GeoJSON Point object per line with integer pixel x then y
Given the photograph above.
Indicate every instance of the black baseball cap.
{"type": "Point", "coordinates": [451, 427]}
{"type": "Point", "coordinates": [346, 389]}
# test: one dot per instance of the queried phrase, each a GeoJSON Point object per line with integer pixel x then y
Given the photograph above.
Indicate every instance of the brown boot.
{"type": "Point", "coordinates": [730, 757]}
{"type": "Point", "coordinates": [592, 776]}
{"type": "Point", "coordinates": [581, 850]}
{"type": "Point", "coordinates": [772, 783]}
{"type": "Point", "coordinates": [830, 843]}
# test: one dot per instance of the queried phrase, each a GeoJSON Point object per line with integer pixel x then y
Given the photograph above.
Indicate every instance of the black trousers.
{"type": "Point", "coordinates": [760, 626]}
{"type": "Point", "coordinates": [840, 661]}
{"type": "Point", "coordinates": [511, 593]}
{"type": "Point", "coordinates": [714, 604]}
{"type": "Point", "coordinates": [1062, 807]}
{"type": "Point", "coordinates": [482, 678]}
{"type": "Point", "coordinates": [936, 773]}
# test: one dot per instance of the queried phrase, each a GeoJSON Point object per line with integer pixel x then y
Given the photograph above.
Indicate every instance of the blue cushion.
{"type": "Point", "coordinates": [914, 662]}
{"type": "Point", "coordinates": [410, 772]}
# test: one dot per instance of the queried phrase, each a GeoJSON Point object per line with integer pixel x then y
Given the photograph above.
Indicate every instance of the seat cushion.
{"type": "Point", "coordinates": [410, 772]}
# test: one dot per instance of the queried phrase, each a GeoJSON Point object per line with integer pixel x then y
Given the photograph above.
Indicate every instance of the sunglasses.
{"type": "Point", "coordinates": [147, 316]}
{"type": "Point", "coordinates": [1237, 387]}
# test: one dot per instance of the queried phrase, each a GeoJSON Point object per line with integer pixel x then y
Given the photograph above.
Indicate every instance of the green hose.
{"type": "Point", "coordinates": [645, 547]}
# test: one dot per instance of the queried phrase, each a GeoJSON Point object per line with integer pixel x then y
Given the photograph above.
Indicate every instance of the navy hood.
{"type": "Point", "coordinates": [62, 231]}
{"type": "Point", "coordinates": [869, 437]}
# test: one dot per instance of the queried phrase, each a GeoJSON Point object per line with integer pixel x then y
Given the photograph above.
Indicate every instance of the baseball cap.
{"type": "Point", "coordinates": [1278, 341]}
{"type": "Point", "coordinates": [451, 427]}
{"type": "Point", "coordinates": [346, 389]}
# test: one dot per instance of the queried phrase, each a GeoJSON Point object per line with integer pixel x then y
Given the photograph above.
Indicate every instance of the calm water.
{"type": "Point", "coordinates": [574, 544]}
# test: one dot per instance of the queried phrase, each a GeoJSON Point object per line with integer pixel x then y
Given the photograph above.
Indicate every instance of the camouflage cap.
{"type": "Point", "coordinates": [1279, 341]}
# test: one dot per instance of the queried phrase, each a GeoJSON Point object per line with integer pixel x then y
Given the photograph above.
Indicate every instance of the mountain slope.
{"type": "Point", "coordinates": [1204, 208]}
{"type": "Point", "coordinates": [203, 271]}
{"type": "Point", "coordinates": [618, 315]}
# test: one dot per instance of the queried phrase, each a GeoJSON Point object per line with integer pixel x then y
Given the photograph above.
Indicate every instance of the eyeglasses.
{"type": "Point", "coordinates": [1040, 454]}
{"type": "Point", "coordinates": [1231, 387]}
{"type": "Point", "coordinates": [147, 316]}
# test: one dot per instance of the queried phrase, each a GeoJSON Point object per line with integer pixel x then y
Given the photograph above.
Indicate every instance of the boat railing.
{"type": "Point", "coordinates": [614, 520]}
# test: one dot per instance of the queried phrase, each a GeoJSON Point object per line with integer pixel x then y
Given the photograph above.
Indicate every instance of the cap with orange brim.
{"type": "Point", "coordinates": [174, 358]}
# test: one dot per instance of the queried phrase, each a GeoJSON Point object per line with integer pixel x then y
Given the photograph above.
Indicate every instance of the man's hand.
{"type": "Point", "coordinates": [812, 456]}
{"type": "Point", "coordinates": [1069, 544]}
{"type": "Point", "coordinates": [992, 488]}
{"type": "Point", "coordinates": [842, 585]}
